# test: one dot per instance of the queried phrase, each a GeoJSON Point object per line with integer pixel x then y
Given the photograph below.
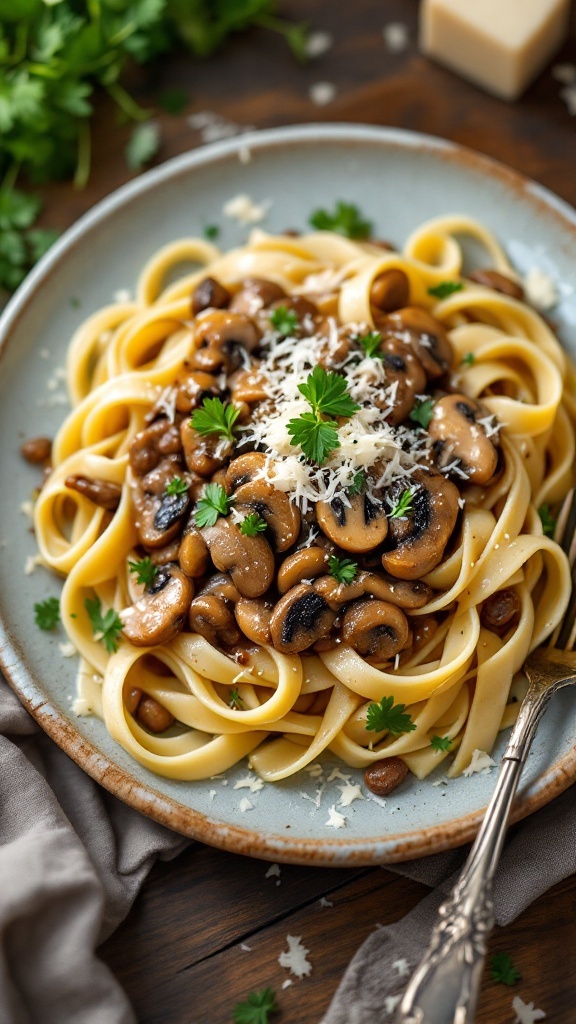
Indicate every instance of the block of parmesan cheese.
{"type": "Point", "coordinates": [500, 45]}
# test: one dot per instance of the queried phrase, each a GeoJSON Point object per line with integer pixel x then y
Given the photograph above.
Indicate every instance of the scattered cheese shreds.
{"type": "Point", "coordinates": [245, 947]}
{"type": "Point", "coordinates": [250, 782]}
{"type": "Point", "coordinates": [325, 902]}
{"type": "Point", "coordinates": [295, 958]}
{"type": "Point", "coordinates": [349, 793]}
{"type": "Point", "coordinates": [318, 43]}
{"type": "Point", "coordinates": [401, 966]}
{"type": "Point", "coordinates": [396, 36]}
{"type": "Point", "coordinates": [67, 650]}
{"type": "Point", "coordinates": [245, 805]}
{"type": "Point", "coordinates": [322, 93]}
{"type": "Point", "coordinates": [390, 1003]}
{"type": "Point", "coordinates": [526, 1013]}
{"type": "Point", "coordinates": [481, 762]}
{"type": "Point", "coordinates": [273, 871]}
{"type": "Point", "coordinates": [81, 707]}
{"type": "Point", "coordinates": [243, 209]}
{"type": "Point", "coordinates": [540, 289]}
{"type": "Point", "coordinates": [287, 983]}
{"type": "Point", "coordinates": [335, 819]}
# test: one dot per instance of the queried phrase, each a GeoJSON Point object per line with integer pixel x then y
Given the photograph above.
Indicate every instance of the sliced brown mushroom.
{"type": "Point", "coordinates": [243, 469]}
{"type": "Point", "coordinates": [417, 542]}
{"type": "Point", "coordinates": [249, 560]}
{"type": "Point", "coordinates": [150, 445]}
{"type": "Point", "coordinates": [460, 437]}
{"type": "Point", "coordinates": [299, 619]}
{"type": "Point", "coordinates": [209, 294]}
{"type": "Point", "coordinates": [158, 516]}
{"type": "Point", "coordinates": [499, 282]}
{"type": "Point", "coordinates": [36, 449]}
{"type": "Point", "coordinates": [161, 611]}
{"type": "Point", "coordinates": [281, 515]}
{"type": "Point", "coordinates": [193, 553]}
{"type": "Point", "coordinates": [153, 715]}
{"type": "Point", "coordinates": [338, 342]}
{"type": "Point", "coordinates": [425, 335]}
{"type": "Point", "coordinates": [501, 611]}
{"type": "Point", "coordinates": [424, 629]}
{"type": "Point", "coordinates": [248, 386]}
{"type": "Point", "coordinates": [253, 616]}
{"type": "Point", "coordinates": [359, 526]}
{"type": "Point", "coordinates": [221, 585]}
{"type": "Point", "coordinates": [401, 593]}
{"type": "Point", "coordinates": [211, 617]}
{"type": "Point", "coordinates": [389, 291]}
{"type": "Point", "coordinates": [204, 454]}
{"type": "Point", "coordinates": [192, 387]}
{"type": "Point", "coordinates": [305, 564]}
{"type": "Point", "coordinates": [383, 776]}
{"type": "Point", "coordinates": [255, 293]}
{"type": "Point", "coordinates": [375, 629]}
{"type": "Point", "coordinates": [104, 493]}
{"type": "Point", "coordinates": [403, 369]}
{"type": "Point", "coordinates": [169, 553]}
{"type": "Point", "coordinates": [219, 338]}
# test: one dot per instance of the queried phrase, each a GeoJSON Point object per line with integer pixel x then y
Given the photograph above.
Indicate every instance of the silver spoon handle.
{"type": "Point", "coordinates": [444, 988]}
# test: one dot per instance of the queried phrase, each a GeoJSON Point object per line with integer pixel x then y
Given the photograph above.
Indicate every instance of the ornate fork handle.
{"type": "Point", "coordinates": [445, 986]}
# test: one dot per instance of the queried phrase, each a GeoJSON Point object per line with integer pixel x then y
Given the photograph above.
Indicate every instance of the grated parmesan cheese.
{"type": "Point", "coordinates": [401, 967]}
{"type": "Point", "coordinates": [250, 782]}
{"type": "Point", "coordinates": [526, 1013]}
{"type": "Point", "coordinates": [349, 793]}
{"type": "Point", "coordinates": [325, 902]}
{"type": "Point", "coordinates": [245, 805]}
{"type": "Point", "coordinates": [273, 871]}
{"type": "Point", "coordinates": [481, 762]}
{"type": "Point", "coordinates": [318, 43]}
{"type": "Point", "coordinates": [540, 289]}
{"type": "Point", "coordinates": [322, 93]}
{"type": "Point", "coordinates": [244, 210]}
{"type": "Point", "coordinates": [67, 650]}
{"type": "Point", "coordinates": [295, 959]}
{"type": "Point", "coordinates": [396, 36]}
{"type": "Point", "coordinates": [335, 819]}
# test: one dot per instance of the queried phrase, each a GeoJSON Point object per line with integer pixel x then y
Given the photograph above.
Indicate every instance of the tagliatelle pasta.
{"type": "Point", "coordinates": [375, 480]}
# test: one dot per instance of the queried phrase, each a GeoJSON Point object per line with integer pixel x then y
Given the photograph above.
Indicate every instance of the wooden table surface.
{"type": "Point", "coordinates": [179, 954]}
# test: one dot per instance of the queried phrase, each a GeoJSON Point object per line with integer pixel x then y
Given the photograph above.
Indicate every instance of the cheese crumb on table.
{"type": "Point", "coordinates": [498, 45]}
{"type": "Point", "coordinates": [295, 957]}
{"type": "Point", "coordinates": [318, 43]}
{"type": "Point", "coordinates": [401, 967]}
{"type": "Point", "coordinates": [526, 1013]}
{"type": "Point", "coordinates": [396, 36]}
{"type": "Point", "coordinates": [322, 93]}
{"type": "Point", "coordinates": [273, 871]}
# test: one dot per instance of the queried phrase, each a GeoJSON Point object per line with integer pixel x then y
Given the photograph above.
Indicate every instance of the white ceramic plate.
{"type": "Point", "coordinates": [398, 179]}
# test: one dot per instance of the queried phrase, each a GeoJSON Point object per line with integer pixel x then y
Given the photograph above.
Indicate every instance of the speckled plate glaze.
{"type": "Point", "coordinates": [398, 179]}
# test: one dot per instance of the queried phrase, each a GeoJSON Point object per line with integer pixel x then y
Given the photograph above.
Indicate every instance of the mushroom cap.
{"type": "Point", "coordinates": [299, 619]}
{"type": "Point", "coordinates": [156, 516]}
{"type": "Point", "coordinates": [210, 616]}
{"type": "Point", "coordinates": [301, 565]}
{"type": "Point", "coordinates": [193, 553]}
{"type": "Point", "coordinates": [209, 294]}
{"type": "Point", "coordinates": [218, 334]}
{"type": "Point", "coordinates": [253, 616]}
{"type": "Point", "coordinates": [459, 436]}
{"type": "Point", "coordinates": [417, 543]}
{"type": "Point", "coordinates": [359, 526]}
{"type": "Point", "coordinates": [249, 560]}
{"type": "Point", "coordinates": [281, 515]}
{"type": "Point", "coordinates": [425, 335]}
{"type": "Point", "coordinates": [244, 468]}
{"type": "Point", "coordinates": [161, 611]}
{"type": "Point", "coordinates": [390, 290]}
{"type": "Point", "coordinates": [498, 281]}
{"type": "Point", "coordinates": [254, 294]}
{"type": "Point", "coordinates": [403, 367]}
{"type": "Point", "coordinates": [376, 629]}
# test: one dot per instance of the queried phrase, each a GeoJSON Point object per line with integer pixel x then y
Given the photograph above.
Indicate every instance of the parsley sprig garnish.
{"type": "Point", "coordinates": [441, 743]}
{"type": "Point", "coordinates": [47, 613]}
{"type": "Point", "coordinates": [176, 486]}
{"type": "Point", "coordinates": [388, 716]}
{"type": "Point", "coordinates": [284, 320]}
{"type": "Point", "coordinates": [106, 628]}
{"type": "Point", "coordinates": [257, 1008]}
{"type": "Point", "coordinates": [503, 969]}
{"type": "Point", "coordinates": [345, 220]}
{"type": "Point", "coordinates": [216, 417]}
{"type": "Point", "coordinates": [342, 569]}
{"type": "Point", "coordinates": [468, 360]}
{"type": "Point", "coordinates": [421, 412]}
{"type": "Point", "coordinates": [252, 525]}
{"type": "Point", "coordinates": [213, 504]}
{"type": "Point", "coordinates": [371, 344]}
{"type": "Point", "coordinates": [445, 288]}
{"type": "Point", "coordinates": [358, 485]}
{"type": "Point", "coordinates": [145, 570]}
{"type": "Point", "coordinates": [235, 701]}
{"type": "Point", "coordinates": [548, 520]}
{"type": "Point", "coordinates": [403, 506]}
{"type": "Point", "coordinates": [328, 396]}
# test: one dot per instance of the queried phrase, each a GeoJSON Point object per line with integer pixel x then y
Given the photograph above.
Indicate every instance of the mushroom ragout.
{"type": "Point", "coordinates": [297, 502]}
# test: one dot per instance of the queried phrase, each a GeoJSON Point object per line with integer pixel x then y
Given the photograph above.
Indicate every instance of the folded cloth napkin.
{"type": "Point", "coordinates": [72, 859]}
{"type": "Point", "coordinates": [377, 975]}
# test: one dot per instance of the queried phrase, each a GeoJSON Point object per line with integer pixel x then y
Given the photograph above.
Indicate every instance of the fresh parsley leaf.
{"type": "Point", "coordinates": [18, 209]}
{"type": "Point", "coordinates": [142, 145]}
{"type": "Point", "coordinates": [47, 613]}
{"type": "Point", "coordinates": [445, 288]}
{"type": "Point", "coordinates": [441, 743]}
{"type": "Point", "coordinates": [371, 344]}
{"type": "Point", "coordinates": [342, 569]}
{"type": "Point", "coordinates": [327, 393]}
{"type": "Point", "coordinates": [316, 437]}
{"type": "Point", "coordinates": [174, 101]}
{"type": "Point", "coordinates": [421, 412]}
{"type": "Point", "coordinates": [211, 232]}
{"type": "Point", "coordinates": [468, 360]}
{"type": "Point", "coordinates": [39, 241]}
{"type": "Point", "coordinates": [176, 486]}
{"type": "Point", "coordinates": [146, 571]}
{"type": "Point", "coordinates": [252, 525]}
{"type": "Point", "coordinates": [548, 520]}
{"type": "Point", "coordinates": [345, 220]}
{"type": "Point", "coordinates": [236, 701]}
{"type": "Point", "coordinates": [389, 716]}
{"type": "Point", "coordinates": [212, 505]}
{"type": "Point", "coordinates": [284, 320]}
{"type": "Point", "coordinates": [106, 628]}
{"type": "Point", "coordinates": [215, 417]}
{"type": "Point", "coordinates": [503, 969]}
{"type": "Point", "coordinates": [257, 1008]}
{"type": "Point", "coordinates": [358, 485]}
{"type": "Point", "coordinates": [403, 506]}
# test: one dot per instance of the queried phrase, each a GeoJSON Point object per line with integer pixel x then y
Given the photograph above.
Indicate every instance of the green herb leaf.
{"type": "Point", "coordinates": [358, 485]}
{"type": "Point", "coordinates": [176, 486]}
{"type": "Point", "coordinates": [284, 320]}
{"type": "Point", "coordinates": [403, 506]}
{"type": "Point", "coordinates": [211, 232]}
{"type": "Point", "coordinates": [468, 360]}
{"type": "Point", "coordinates": [236, 701]}
{"type": "Point", "coordinates": [441, 743]}
{"type": "Point", "coordinates": [142, 146]}
{"type": "Point", "coordinates": [174, 101]}
{"type": "Point", "coordinates": [212, 505]}
{"type": "Point", "coordinates": [342, 569]}
{"type": "Point", "coordinates": [316, 437]}
{"type": "Point", "coordinates": [146, 571]}
{"type": "Point", "coordinates": [252, 525]}
{"type": "Point", "coordinates": [345, 220]}
{"type": "Point", "coordinates": [47, 613]}
{"type": "Point", "coordinates": [421, 412]}
{"type": "Point", "coordinates": [257, 1008]}
{"type": "Point", "coordinates": [327, 393]}
{"type": "Point", "coordinates": [445, 288]}
{"type": "Point", "coordinates": [388, 716]}
{"type": "Point", "coordinates": [106, 628]}
{"type": "Point", "coordinates": [503, 969]}
{"type": "Point", "coordinates": [371, 344]}
{"type": "Point", "coordinates": [215, 417]}
{"type": "Point", "coordinates": [548, 520]}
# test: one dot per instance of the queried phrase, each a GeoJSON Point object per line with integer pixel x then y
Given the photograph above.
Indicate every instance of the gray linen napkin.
{"type": "Point", "coordinates": [72, 859]}
{"type": "Point", "coordinates": [539, 852]}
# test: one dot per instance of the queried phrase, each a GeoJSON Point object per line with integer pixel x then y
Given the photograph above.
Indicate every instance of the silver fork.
{"type": "Point", "coordinates": [444, 988]}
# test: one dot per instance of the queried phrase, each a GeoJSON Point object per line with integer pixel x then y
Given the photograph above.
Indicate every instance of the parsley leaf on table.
{"type": "Point", "coordinates": [445, 288]}
{"type": "Point", "coordinates": [253, 524]}
{"type": "Point", "coordinates": [345, 220]}
{"type": "Point", "coordinates": [212, 505]}
{"type": "Point", "coordinates": [503, 969]}
{"type": "Point", "coordinates": [142, 145]}
{"type": "Point", "coordinates": [548, 520]}
{"type": "Point", "coordinates": [421, 412]}
{"type": "Point", "coordinates": [215, 417]}
{"type": "Point", "coordinates": [106, 628]}
{"type": "Point", "coordinates": [342, 569]}
{"type": "Point", "coordinates": [146, 571]}
{"type": "Point", "coordinates": [257, 1008]}
{"type": "Point", "coordinates": [47, 613]}
{"type": "Point", "coordinates": [389, 716]}
{"type": "Point", "coordinates": [173, 101]}
{"type": "Point", "coordinates": [441, 743]}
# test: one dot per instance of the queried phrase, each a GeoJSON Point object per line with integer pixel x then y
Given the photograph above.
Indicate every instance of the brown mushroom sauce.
{"type": "Point", "coordinates": [281, 586]}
